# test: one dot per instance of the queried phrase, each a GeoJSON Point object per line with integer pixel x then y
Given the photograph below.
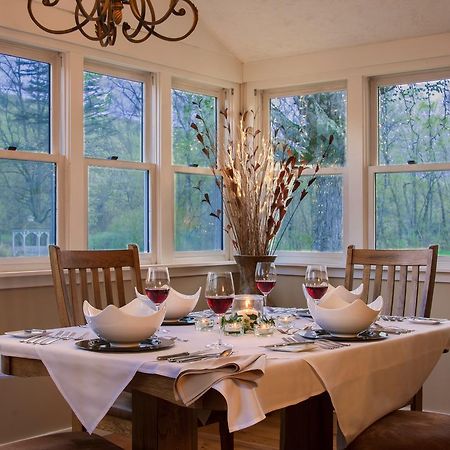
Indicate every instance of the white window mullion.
{"type": "Point", "coordinates": [74, 233]}
{"type": "Point", "coordinates": [165, 174]}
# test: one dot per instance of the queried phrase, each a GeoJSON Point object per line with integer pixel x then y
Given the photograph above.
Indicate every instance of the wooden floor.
{"type": "Point", "coordinates": [262, 436]}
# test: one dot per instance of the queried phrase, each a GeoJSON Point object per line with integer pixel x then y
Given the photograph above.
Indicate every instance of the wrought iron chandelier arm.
{"type": "Point", "coordinates": [106, 15]}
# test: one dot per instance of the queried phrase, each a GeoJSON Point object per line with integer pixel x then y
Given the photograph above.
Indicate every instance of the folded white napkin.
{"type": "Point", "coordinates": [197, 378]}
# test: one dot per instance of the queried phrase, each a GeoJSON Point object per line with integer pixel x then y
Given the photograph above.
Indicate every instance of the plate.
{"type": "Point", "coordinates": [427, 320]}
{"type": "Point", "coordinates": [149, 345]}
{"type": "Point", "coordinates": [368, 335]}
{"type": "Point", "coordinates": [303, 312]}
{"type": "Point", "coordinates": [23, 334]}
{"type": "Point", "coordinates": [183, 321]}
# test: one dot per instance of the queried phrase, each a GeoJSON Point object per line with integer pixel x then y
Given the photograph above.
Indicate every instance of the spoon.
{"type": "Point", "coordinates": [226, 352]}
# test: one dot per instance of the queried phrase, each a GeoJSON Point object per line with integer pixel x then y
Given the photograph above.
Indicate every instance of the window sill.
{"type": "Point", "coordinates": [42, 278]}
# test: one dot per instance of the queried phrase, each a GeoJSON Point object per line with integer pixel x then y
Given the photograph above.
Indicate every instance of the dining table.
{"type": "Point", "coordinates": [358, 382]}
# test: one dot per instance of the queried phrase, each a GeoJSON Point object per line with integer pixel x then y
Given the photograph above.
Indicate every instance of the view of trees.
{"type": "Point", "coordinates": [27, 188]}
{"type": "Point", "coordinates": [412, 208]}
{"type": "Point", "coordinates": [113, 128]}
{"type": "Point", "coordinates": [411, 204]}
{"type": "Point", "coordinates": [305, 122]}
{"type": "Point", "coordinates": [195, 229]}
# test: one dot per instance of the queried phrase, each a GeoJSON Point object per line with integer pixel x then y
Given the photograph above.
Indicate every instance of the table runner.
{"type": "Point", "coordinates": [366, 373]}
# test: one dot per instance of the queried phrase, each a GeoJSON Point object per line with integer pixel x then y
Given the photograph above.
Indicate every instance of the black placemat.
{"type": "Point", "coordinates": [183, 321]}
{"type": "Point", "coordinates": [364, 336]}
{"type": "Point", "coordinates": [149, 345]}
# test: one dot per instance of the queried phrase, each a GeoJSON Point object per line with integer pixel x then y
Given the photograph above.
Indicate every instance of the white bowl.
{"type": "Point", "coordinates": [177, 305]}
{"type": "Point", "coordinates": [343, 318]}
{"type": "Point", "coordinates": [126, 326]}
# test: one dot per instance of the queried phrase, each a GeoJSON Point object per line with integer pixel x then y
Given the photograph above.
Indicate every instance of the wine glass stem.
{"type": "Point", "coordinates": [219, 342]}
{"type": "Point", "coordinates": [264, 303]}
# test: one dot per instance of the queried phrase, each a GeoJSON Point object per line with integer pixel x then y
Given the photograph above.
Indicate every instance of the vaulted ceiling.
{"type": "Point", "coordinates": [262, 29]}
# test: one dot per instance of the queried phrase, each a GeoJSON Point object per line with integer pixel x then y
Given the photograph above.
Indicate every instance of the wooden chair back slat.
{"type": "Point", "coordinates": [108, 286]}
{"type": "Point", "coordinates": [96, 287]}
{"type": "Point", "coordinates": [388, 298]}
{"type": "Point", "coordinates": [398, 308]}
{"type": "Point", "coordinates": [366, 278]}
{"type": "Point", "coordinates": [93, 275]}
{"type": "Point", "coordinates": [413, 294]}
{"type": "Point", "coordinates": [120, 286]}
{"type": "Point", "coordinates": [377, 281]}
{"type": "Point", "coordinates": [84, 284]}
{"type": "Point", "coordinates": [401, 295]}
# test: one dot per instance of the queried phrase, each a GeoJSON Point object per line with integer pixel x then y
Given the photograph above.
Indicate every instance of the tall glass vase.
{"type": "Point", "coordinates": [247, 266]}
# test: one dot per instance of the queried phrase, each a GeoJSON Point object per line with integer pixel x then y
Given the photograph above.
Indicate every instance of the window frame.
{"type": "Point", "coordinates": [55, 156]}
{"type": "Point", "coordinates": [148, 163]}
{"type": "Point", "coordinates": [333, 259]}
{"type": "Point", "coordinates": [200, 256]}
{"type": "Point", "coordinates": [376, 168]}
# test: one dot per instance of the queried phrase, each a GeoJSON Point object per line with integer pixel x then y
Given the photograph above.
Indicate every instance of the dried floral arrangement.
{"type": "Point", "coordinates": [258, 178]}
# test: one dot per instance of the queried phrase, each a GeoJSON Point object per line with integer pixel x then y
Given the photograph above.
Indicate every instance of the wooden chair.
{"type": "Point", "coordinates": [402, 296]}
{"type": "Point", "coordinates": [63, 441]}
{"type": "Point", "coordinates": [90, 277]}
{"type": "Point", "coordinates": [97, 276]}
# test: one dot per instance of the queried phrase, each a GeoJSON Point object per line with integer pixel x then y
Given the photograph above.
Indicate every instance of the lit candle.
{"type": "Point", "coordinates": [204, 324]}
{"type": "Point", "coordinates": [233, 328]}
{"type": "Point", "coordinates": [285, 321]}
{"type": "Point", "coordinates": [263, 329]}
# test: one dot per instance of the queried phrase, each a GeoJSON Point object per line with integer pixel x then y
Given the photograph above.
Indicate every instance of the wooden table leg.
{"type": "Point", "coordinates": [308, 425]}
{"type": "Point", "coordinates": [161, 425]}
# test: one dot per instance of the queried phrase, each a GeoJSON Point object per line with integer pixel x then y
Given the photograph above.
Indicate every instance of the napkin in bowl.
{"type": "Point", "coordinates": [197, 378]}
{"type": "Point", "coordinates": [336, 314]}
{"type": "Point", "coordinates": [178, 305]}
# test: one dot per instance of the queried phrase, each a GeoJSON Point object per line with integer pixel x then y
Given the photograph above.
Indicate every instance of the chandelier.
{"type": "Point", "coordinates": [99, 21]}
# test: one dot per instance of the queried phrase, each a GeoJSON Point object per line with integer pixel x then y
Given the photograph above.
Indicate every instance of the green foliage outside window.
{"type": "Point", "coordinates": [305, 122]}
{"type": "Point", "coordinates": [412, 208]}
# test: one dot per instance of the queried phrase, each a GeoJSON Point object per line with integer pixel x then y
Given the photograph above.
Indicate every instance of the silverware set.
{"type": "Point", "coordinates": [323, 343]}
{"type": "Point", "coordinates": [49, 338]}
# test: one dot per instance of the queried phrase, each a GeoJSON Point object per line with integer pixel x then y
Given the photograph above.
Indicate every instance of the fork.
{"type": "Point", "coordinates": [326, 344]}
{"type": "Point", "coordinates": [63, 335]}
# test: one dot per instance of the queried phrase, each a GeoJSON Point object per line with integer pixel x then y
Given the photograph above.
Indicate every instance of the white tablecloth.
{"type": "Point", "coordinates": [365, 381]}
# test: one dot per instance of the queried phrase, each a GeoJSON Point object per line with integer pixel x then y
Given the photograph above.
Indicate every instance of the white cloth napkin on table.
{"type": "Point", "coordinates": [85, 380]}
{"type": "Point", "coordinates": [197, 378]}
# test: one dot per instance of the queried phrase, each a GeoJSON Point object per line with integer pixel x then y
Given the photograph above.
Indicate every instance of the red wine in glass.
{"type": "Point", "coordinates": [219, 304]}
{"type": "Point", "coordinates": [219, 294]}
{"type": "Point", "coordinates": [316, 292]}
{"type": "Point", "coordinates": [157, 284]}
{"type": "Point", "coordinates": [265, 286]}
{"type": "Point", "coordinates": [316, 281]}
{"type": "Point", "coordinates": [265, 278]}
{"type": "Point", "coordinates": [157, 295]}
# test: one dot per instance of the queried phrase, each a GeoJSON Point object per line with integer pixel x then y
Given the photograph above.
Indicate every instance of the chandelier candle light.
{"type": "Point", "coordinates": [97, 20]}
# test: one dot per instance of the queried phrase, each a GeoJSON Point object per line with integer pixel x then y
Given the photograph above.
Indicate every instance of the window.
{"type": "Point", "coordinates": [28, 153]}
{"type": "Point", "coordinates": [305, 120]}
{"type": "Point", "coordinates": [411, 162]}
{"type": "Point", "coordinates": [117, 160]}
{"type": "Point", "coordinates": [194, 228]}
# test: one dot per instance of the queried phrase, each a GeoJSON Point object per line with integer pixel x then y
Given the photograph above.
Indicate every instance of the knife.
{"type": "Point", "coordinates": [180, 355]}
{"type": "Point", "coordinates": [284, 344]}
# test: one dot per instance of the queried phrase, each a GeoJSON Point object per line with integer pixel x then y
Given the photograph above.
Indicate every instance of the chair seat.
{"type": "Point", "coordinates": [406, 430]}
{"type": "Point", "coordinates": [63, 441]}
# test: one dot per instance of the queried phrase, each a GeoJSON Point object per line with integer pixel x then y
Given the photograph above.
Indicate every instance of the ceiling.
{"type": "Point", "coordinates": [263, 29]}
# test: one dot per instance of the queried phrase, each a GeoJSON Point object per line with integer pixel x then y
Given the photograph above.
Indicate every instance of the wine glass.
{"type": "Point", "coordinates": [157, 284]}
{"type": "Point", "coordinates": [265, 277]}
{"type": "Point", "coordinates": [316, 281]}
{"type": "Point", "coordinates": [219, 294]}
